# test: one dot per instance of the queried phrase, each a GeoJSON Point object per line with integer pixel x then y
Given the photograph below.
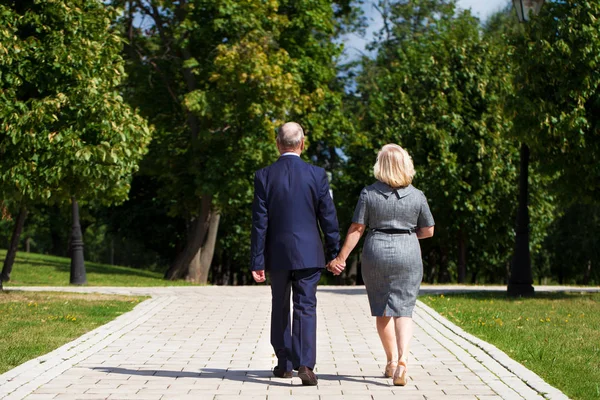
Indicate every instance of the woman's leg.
{"type": "Point", "coordinates": [385, 328]}
{"type": "Point", "coordinates": [404, 328]}
{"type": "Point", "coordinates": [404, 331]}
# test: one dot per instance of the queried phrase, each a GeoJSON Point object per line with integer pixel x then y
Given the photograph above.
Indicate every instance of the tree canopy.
{"type": "Point", "coordinates": [556, 101]}
{"type": "Point", "coordinates": [66, 129]}
{"type": "Point", "coordinates": [214, 79]}
{"type": "Point", "coordinates": [437, 89]}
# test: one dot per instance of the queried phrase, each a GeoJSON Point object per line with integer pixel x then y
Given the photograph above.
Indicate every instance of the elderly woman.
{"type": "Point", "coordinates": [396, 215]}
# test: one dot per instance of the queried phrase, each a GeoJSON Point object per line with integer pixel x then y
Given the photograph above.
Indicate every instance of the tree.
{"type": "Point", "coordinates": [571, 247]}
{"type": "Point", "coordinates": [216, 79]}
{"type": "Point", "coordinates": [556, 116]}
{"type": "Point", "coordinates": [556, 101]}
{"type": "Point", "coordinates": [67, 134]}
{"type": "Point", "coordinates": [437, 87]}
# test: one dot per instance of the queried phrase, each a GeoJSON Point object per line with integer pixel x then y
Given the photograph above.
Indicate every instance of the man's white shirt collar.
{"type": "Point", "coordinates": [290, 153]}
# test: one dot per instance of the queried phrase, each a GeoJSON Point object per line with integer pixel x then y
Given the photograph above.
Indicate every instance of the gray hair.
{"type": "Point", "coordinates": [290, 135]}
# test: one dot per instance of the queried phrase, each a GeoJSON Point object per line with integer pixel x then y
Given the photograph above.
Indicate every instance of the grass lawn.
{"type": "Point", "coordinates": [33, 324]}
{"type": "Point", "coordinates": [43, 270]}
{"type": "Point", "coordinates": [555, 335]}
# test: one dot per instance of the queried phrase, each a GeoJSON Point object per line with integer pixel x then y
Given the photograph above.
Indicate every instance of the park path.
{"type": "Point", "coordinates": [213, 343]}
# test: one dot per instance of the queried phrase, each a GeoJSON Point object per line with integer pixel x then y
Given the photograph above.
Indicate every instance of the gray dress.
{"type": "Point", "coordinates": [392, 267]}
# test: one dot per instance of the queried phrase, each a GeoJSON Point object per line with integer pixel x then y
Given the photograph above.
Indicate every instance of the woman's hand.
{"type": "Point", "coordinates": [336, 266]}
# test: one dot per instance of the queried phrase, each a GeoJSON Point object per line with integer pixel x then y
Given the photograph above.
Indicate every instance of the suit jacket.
{"type": "Point", "coordinates": [291, 200]}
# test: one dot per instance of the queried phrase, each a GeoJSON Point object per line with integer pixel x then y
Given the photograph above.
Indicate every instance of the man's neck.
{"type": "Point", "coordinates": [290, 153]}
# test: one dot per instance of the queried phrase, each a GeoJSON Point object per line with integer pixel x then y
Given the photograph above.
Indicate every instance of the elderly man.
{"type": "Point", "coordinates": [291, 201]}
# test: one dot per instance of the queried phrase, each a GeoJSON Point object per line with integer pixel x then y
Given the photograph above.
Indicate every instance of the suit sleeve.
{"type": "Point", "coordinates": [259, 226]}
{"type": "Point", "coordinates": [328, 218]}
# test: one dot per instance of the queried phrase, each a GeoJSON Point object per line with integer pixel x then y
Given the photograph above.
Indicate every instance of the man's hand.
{"type": "Point", "coordinates": [336, 266]}
{"type": "Point", "coordinates": [259, 276]}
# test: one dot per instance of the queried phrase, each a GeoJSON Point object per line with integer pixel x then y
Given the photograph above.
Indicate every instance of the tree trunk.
{"type": "Point", "coordinates": [14, 246]}
{"type": "Point", "coordinates": [28, 245]}
{"type": "Point", "coordinates": [193, 273]}
{"type": "Point", "coordinates": [200, 265]}
{"type": "Point", "coordinates": [180, 267]}
{"type": "Point", "coordinates": [208, 250]}
{"type": "Point", "coordinates": [462, 256]}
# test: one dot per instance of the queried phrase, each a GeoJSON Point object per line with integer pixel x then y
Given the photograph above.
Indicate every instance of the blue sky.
{"type": "Point", "coordinates": [355, 44]}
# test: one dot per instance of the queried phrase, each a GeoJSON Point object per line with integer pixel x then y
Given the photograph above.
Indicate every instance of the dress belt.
{"type": "Point", "coordinates": [394, 231]}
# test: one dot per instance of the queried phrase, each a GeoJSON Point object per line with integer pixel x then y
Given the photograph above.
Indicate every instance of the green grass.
{"type": "Point", "coordinates": [555, 335]}
{"type": "Point", "coordinates": [43, 270]}
{"type": "Point", "coordinates": [33, 324]}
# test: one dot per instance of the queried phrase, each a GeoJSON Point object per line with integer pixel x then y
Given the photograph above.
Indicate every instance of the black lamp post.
{"type": "Point", "coordinates": [527, 7]}
{"type": "Point", "coordinates": [520, 282]}
{"type": "Point", "coordinates": [78, 276]}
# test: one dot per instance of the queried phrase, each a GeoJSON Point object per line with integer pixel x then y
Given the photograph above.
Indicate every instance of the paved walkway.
{"type": "Point", "coordinates": [213, 343]}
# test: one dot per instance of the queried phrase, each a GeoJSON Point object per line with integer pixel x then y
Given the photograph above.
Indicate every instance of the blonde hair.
{"type": "Point", "coordinates": [394, 166]}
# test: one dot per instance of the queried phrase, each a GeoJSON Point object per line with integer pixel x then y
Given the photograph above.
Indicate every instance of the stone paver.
{"type": "Point", "coordinates": [213, 343]}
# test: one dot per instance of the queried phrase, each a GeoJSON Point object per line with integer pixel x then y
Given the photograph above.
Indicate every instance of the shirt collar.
{"type": "Point", "coordinates": [290, 153]}
{"type": "Point", "coordinates": [387, 190]}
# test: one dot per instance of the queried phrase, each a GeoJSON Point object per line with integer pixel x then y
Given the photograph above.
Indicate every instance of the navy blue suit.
{"type": "Point", "coordinates": [291, 201]}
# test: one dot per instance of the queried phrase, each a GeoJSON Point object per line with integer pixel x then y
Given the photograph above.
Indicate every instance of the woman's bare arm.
{"type": "Point", "coordinates": [424, 233]}
{"type": "Point", "coordinates": [352, 237]}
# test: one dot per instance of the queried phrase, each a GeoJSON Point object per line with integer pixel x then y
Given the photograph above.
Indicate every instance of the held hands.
{"type": "Point", "coordinates": [336, 266]}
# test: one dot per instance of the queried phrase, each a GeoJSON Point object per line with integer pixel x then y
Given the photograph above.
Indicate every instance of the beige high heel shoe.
{"type": "Point", "coordinates": [400, 379]}
{"type": "Point", "coordinates": [390, 369]}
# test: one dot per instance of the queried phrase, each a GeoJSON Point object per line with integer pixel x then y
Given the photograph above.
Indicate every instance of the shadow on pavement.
{"type": "Point", "coordinates": [254, 376]}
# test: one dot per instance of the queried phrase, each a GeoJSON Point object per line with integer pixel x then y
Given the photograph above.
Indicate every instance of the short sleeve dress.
{"type": "Point", "coordinates": [392, 268]}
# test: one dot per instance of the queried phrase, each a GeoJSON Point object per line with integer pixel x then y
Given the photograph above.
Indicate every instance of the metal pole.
{"type": "Point", "coordinates": [77, 262]}
{"type": "Point", "coordinates": [520, 282]}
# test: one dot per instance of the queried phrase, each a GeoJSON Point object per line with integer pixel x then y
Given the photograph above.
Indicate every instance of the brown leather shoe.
{"type": "Point", "coordinates": [280, 373]}
{"type": "Point", "coordinates": [307, 376]}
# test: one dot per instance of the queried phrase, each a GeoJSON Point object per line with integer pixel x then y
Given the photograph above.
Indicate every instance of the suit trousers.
{"type": "Point", "coordinates": [294, 345]}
